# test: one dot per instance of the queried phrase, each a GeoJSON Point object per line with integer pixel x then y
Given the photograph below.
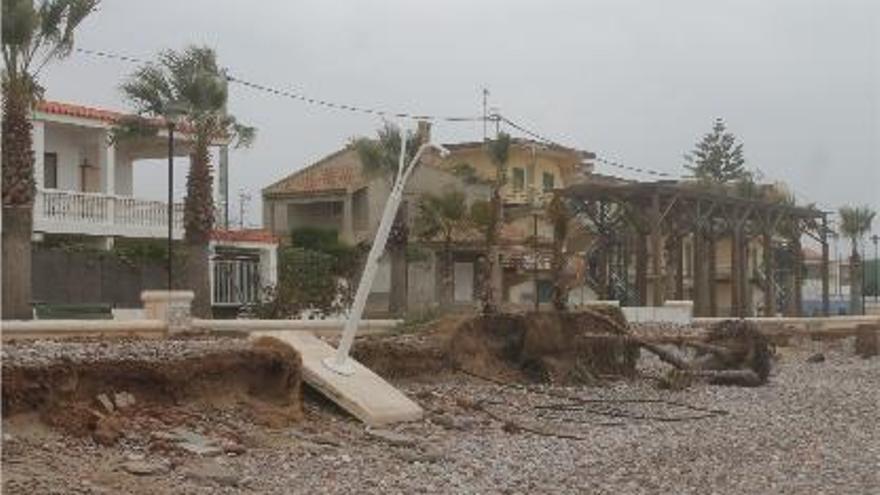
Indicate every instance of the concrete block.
{"type": "Point", "coordinates": [173, 307]}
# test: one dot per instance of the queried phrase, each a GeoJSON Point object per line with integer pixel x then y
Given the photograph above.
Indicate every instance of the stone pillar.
{"type": "Point", "coordinates": [173, 307]}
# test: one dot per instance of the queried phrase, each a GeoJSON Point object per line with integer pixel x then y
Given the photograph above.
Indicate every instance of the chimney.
{"type": "Point", "coordinates": [424, 132]}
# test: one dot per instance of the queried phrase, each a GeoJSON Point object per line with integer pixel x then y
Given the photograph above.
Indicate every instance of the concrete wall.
{"type": "Point", "coordinates": [62, 277]}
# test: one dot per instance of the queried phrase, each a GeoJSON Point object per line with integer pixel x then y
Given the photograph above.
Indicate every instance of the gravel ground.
{"type": "Point", "coordinates": [812, 429]}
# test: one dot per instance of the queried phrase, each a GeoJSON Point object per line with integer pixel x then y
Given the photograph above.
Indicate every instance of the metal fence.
{"type": "Point", "coordinates": [236, 281]}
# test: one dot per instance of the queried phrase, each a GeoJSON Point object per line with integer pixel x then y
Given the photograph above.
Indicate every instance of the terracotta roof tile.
{"type": "Point", "coordinates": [71, 110]}
{"type": "Point", "coordinates": [339, 171]}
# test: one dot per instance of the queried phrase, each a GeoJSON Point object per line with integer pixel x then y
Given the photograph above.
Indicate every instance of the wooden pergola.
{"type": "Point", "coordinates": [628, 217]}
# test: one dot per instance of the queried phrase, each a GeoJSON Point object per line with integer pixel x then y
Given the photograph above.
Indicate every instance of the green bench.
{"type": "Point", "coordinates": [98, 311]}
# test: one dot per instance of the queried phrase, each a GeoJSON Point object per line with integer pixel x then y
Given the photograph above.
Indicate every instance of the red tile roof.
{"type": "Point", "coordinates": [71, 110]}
{"type": "Point", "coordinates": [339, 171]}
{"type": "Point", "coordinates": [244, 235]}
{"type": "Point", "coordinates": [91, 113]}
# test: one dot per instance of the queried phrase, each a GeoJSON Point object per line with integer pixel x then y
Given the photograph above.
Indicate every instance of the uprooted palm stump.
{"type": "Point", "coordinates": [557, 347]}
{"type": "Point", "coordinates": [734, 352]}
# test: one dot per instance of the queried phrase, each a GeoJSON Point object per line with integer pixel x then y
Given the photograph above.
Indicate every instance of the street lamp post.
{"type": "Point", "coordinates": [340, 362]}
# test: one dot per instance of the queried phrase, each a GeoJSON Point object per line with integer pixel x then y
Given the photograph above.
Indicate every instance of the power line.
{"type": "Point", "coordinates": [302, 97]}
{"type": "Point", "coordinates": [600, 159]}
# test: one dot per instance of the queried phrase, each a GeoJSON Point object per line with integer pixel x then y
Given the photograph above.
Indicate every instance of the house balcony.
{"type": "Point", "coordinates": [96, 214]}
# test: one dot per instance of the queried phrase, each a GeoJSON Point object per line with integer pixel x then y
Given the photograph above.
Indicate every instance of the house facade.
{"type": "Point", "coordinates": [337, 193]}
{"type": "Point", "coordinates": [85, 189]}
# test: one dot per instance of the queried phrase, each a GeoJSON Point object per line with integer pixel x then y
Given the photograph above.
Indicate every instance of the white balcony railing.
{"type": "Point", "coordinates": [71, 212]}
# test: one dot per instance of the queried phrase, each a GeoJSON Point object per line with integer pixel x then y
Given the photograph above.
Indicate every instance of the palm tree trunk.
{"type": "Point", "coordinates": [447, 297]}
{"type": "Point", "coordinates": [398, 240]}
{"type": "Point", "coordinates": [18, 201]}
{"type": "Point", "coordinates": [855, 281]}
{"type": "Point", "coordinates": [491, 276]}
{"type": "Point", "coordinates": [198, 223]}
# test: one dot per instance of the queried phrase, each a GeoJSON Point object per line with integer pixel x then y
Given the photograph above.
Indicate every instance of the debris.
{"type": "Point", "coordinates": [816, 358]}
{"type": "Point", "coordinates": [196, 443]}
{"type": "Point", "coordinates": [106, 403]}
{"type": "Point", "coordinates": [734, 352]}
{"type": "Point", "coordinates": [146, 468]}
{"type": "Point", "coordinates": [867, 340]}
{"type": "Point", "coordinates": [123, 400]}
{"type": "Point", "coordinates": [107, 431]}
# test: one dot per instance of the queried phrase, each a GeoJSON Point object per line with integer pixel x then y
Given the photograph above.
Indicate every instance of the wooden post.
{"type": "Point", "coordinates": [656, 253]}
{"type": "Point", "coordinates": [712, 273]}
{"type": "Point", "coordinates": [745, 285]}
{"type": "Point", "coordinates": [735, 262]}
{"type": "Point", "coordinates": [642, 268]}
{"type": "Point", "coordinates": [699, 274]}
{"type": "Point", "coordinates": [798, 274]}
{"type": "Point", "coordinates": [769, 269]}
{"type": "Point", "coordinates": [678, 251]}
{"type": "Point", "coordinates": [826, 299]}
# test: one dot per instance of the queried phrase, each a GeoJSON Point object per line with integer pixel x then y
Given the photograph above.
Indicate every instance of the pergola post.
{"type": "Point", "coordinates": [656, 253]}
{"type": "Point", "coordinates": [735, 265]}
{"type": "Point", "coordinates": [642, 267]}
{"type": "Point", "coordinates": [769, 270]}
{"type": "Point", "coordinates": [678, 254]}
{"type": "Point", "coordinates": [712, 261]}
{"type": "Point", "coordinates": [826, 299]}
{"type": "Point", "coordinates": [798, 274]}
{"type": "Point", "coordinates": [699, 274]}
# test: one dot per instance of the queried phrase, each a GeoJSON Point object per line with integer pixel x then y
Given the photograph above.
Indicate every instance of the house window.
{"type": "Point", "coordinates": [519, 179]}
{"type": "Point", "coordinates": [50, 171]}
{"type": "Point", "coordinates": [548, 181]}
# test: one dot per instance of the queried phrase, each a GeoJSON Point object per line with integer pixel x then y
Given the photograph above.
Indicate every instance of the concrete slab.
{"type": "Point", "coordinates": [364, 394]}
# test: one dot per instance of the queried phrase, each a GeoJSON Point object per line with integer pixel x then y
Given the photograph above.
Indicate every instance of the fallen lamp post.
{"type": "Point", "coordinates": [340, 362]}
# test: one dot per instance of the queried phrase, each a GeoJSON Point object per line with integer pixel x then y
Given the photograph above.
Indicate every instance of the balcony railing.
{"type": "Point", "coordinates": [71, 212]}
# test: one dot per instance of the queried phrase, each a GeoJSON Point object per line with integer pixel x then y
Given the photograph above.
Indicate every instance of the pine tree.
{"type": "Point", "coordinates": [717, 157]}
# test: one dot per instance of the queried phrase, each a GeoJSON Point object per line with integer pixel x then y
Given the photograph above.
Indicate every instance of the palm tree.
{"type": "Point", "coordinates": [34, 35]}
{"type": "Point", "coordinates": [499, 153]}
{"type": "Point", "coordinates": [188, 88]}
{"type": "Point", "coordinates": [380, 157]}
{"type": "Point", "coordinates": [446, 217]}
{"type": "Point", "coordinates": [855, 222]}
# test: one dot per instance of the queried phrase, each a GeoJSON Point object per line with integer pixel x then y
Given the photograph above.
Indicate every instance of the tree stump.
{"type": "Point", "coordinates": [868, 340]}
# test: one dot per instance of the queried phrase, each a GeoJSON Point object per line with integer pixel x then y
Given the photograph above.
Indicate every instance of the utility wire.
{"type": "Point", "coordinates": [386, 113]}
{"type": "Point", "coordinates": [599, 159]}
{"type": "Point", "coordinates": [300, 96]}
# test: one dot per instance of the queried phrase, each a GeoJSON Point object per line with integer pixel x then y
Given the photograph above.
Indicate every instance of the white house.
{"type": "Point", "coordinates": [85, 188]}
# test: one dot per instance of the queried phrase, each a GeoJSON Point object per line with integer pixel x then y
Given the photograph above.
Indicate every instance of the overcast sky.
{"type": "Point", "coordinates": [798, 81]}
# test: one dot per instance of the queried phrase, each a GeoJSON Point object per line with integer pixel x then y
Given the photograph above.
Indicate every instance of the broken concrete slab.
{"type": "Point", "coordinates": [363, 394]}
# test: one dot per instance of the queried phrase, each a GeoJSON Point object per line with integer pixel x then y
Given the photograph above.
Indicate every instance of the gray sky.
{"type": "Point", "coordinates": [798, 81]}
